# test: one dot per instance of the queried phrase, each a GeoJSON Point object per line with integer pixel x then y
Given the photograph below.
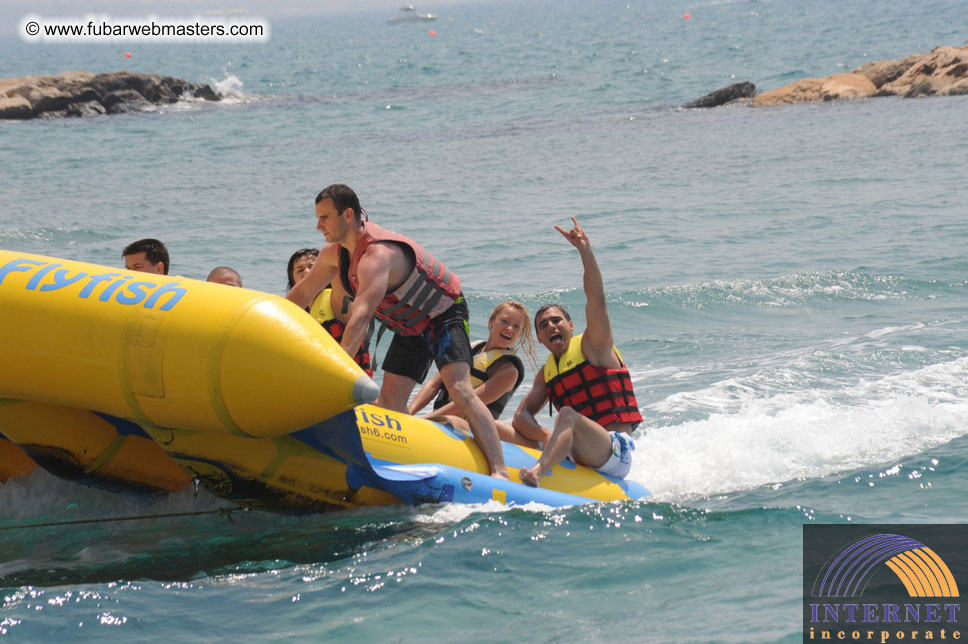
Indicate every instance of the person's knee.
{"type": "Point", "coordinates": [462, 393]}
{"type": "Point", "coordinates": [566, 417]}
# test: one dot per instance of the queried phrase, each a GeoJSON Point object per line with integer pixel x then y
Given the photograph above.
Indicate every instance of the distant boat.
{"type": "Point", "coordinates": [412, 16]}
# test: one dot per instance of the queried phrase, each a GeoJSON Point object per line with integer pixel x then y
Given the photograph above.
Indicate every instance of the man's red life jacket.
{"type": "Point", "coordinates": [428, 291]}
{"type": "Point", "coordinates": [600, 393]}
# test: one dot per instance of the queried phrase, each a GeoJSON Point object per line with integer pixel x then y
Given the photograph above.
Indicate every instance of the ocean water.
{"type": "Point", "coordinates": [788, 286]}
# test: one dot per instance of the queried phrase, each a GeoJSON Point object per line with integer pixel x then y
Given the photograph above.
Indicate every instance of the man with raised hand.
{"type": "Point", "coordinates": [393, 278]}
{"type": "Point", "coordinates": [585, 379]}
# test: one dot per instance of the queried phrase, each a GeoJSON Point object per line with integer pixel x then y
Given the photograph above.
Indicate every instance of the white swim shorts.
{"type": "Point", "coordinates": [620, 462]}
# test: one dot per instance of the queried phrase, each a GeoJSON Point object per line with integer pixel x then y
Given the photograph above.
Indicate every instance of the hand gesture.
{"type": "Point", "coordinates": [576, 236]}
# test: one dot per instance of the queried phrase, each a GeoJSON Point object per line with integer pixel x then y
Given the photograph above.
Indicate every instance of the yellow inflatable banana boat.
{"type": "Point", "coordinates": [13, 461]}
{"type": "Point", "coordinates": [88, 349]}
{"type": "Point", "coordinates": [95, 449]}
{"type": "Point", "coordinates": [167, 351]}
{"type": "Point", "coordinates": [374, 456]}
{"type": "Point", "coordinates": [241, 390]}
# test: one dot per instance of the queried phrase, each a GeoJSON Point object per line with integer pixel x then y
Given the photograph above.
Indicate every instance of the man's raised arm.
{"type": "Point", "coordinates": [597, 341]}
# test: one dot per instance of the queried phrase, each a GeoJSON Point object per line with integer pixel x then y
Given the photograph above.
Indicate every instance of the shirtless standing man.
{"type": "Point", "coordinates": [585, 379]}
{"type": "Point", "coordinates": [393, 278]}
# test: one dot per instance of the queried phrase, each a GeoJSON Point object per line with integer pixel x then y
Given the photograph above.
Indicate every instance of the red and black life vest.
{"type": "Point", "coordinates": [602, 394]}
{"type": "Point", "coordinates": [322, 311]}
{"type": "Point", "coordinates": [428, 291]}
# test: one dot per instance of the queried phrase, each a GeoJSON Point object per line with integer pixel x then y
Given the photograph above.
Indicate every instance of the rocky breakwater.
{"type": "Point", "coordinates": [88, 94]}
{"type": "Point", "coordinates": [943, 71]}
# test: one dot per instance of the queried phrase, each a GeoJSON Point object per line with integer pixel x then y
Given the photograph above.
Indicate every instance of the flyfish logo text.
{"type": "Point", "coordinates": [883, 587]}
{"type": "Point", "coordinates": [124, 289]}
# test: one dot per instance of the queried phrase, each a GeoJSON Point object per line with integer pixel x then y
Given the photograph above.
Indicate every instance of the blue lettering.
{"type": "Point", "coordinates": [377, 420]}
{"type": "Point", "coordinates": [870, 613]}
{"type": "Point", "coordinates": [932, 611]}
{"type": "Point", "coordinates": [61, 280]}
{"type": "Point", "coordinates": [850, 612]}
{"type": "Point", "coordinates": [18, 266]}
{"type": "Point", "coordinates": [135, 293]}
{"type": "Point", "coordinates": [912, 610]}
{"type": "Point", "coordinates": [176, 294]}
{"type": "Point", "coordinates": [953, 612]}
{"type": "Point", "coordinates": [95, 280]}
{"type": "Point", "coordinates": [109, 291]}
{"type": "Point", "coordinates": [39, 275]}
{"type": "Point", "coordinates": [813, 613]}
{"type": "Point", "coordinates": [831, 612]}
{"type": "Point", "coordinates": [393, 423]}
{"type": "Point", "coordinates": [363, 414]}
{"type": "Point", "coordinates": [890, 612]}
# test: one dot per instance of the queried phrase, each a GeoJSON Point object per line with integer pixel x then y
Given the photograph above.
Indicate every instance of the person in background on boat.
{"type": "Point", "coordinates": [394, 279]}
{"type": "Point", "coordinates": [585, 379]}
{"type": "Point", "coordinates": [146, 256]}
{"type": "Point", "coordinates": [496, 371]}
{"type": "Point", "coordinates": [300, 263]}
{"type": "Point", "coordinates": [225, 275]}
{"type": "Point", "coordinates": [330, 307]}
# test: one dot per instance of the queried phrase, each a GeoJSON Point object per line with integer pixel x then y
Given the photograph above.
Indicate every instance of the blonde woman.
{"type": "Point", "coordinates": [497, 369]}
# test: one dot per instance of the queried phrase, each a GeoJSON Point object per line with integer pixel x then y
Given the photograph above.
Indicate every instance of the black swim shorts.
{"type": "Point", "coordinates": [446, 340]}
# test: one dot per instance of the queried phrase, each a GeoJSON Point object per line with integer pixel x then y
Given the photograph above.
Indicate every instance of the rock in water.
{"type": "Point", "coordinates": [943, 71]}
{"type": "Point", "coordinates": [809, 90]}
{"type": "Point", "coordinates": [87, 94]}
{"type": "Point", "coordinates": [725, 95]}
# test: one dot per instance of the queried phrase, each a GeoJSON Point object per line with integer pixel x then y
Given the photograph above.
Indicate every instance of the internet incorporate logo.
{"type": "Point", "coordinates": [910, 593]}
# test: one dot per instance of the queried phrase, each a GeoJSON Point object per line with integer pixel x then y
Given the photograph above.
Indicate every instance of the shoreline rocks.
{"type": "Point", "coordinates": [811, 90]}
{"type": "Point", "coordinates": [80, 94]}
{"type": "Point", "coordinates": [943, 71]}
{"type": "Point", "coordinates": [734, 92]}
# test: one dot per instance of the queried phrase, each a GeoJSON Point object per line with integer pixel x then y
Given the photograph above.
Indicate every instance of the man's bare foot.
{"type": "Point", "coordinates": [501, 474]}
{"type": "Point", "coordinates": [529, 476]}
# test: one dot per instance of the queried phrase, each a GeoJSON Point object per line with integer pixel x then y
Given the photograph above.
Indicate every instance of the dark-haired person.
{"type": "Point", "coordinates": [331, 307]}
{"type": "Point", "coordinates": [146, 256]}
{"type": "Point", "coordinates": [393, 278]}
{"type": "Point", "coordinates": [225, 275]}
{"type": "Point", "coordinates": [586, 381]}
{"type": "Point", "coordinates": [300, 263]}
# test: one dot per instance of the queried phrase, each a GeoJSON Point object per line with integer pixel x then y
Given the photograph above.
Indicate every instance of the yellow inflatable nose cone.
{"type": "Point", "coordinates": [365, 390]}
{"type": "Point", "coordinates": [279, 370]}
{"type": "Point", "coordinates": [167, 350]}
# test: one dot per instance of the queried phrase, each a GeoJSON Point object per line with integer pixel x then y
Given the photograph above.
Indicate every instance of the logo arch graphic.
{"type": "Point", "coordinates": [922, 572]}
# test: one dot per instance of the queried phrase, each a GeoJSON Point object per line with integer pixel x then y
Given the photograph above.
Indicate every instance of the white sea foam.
{"type": "Point", "coordinates": [806, 434]}
{"type": "Point", "coordinates": [456, 512]}
{"type": "Point", "coordinates": [783, 291]}
{"type": "Point", "coordinates": [890, 330]}
{"type": "Point", "coordinates": [230, 88]}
